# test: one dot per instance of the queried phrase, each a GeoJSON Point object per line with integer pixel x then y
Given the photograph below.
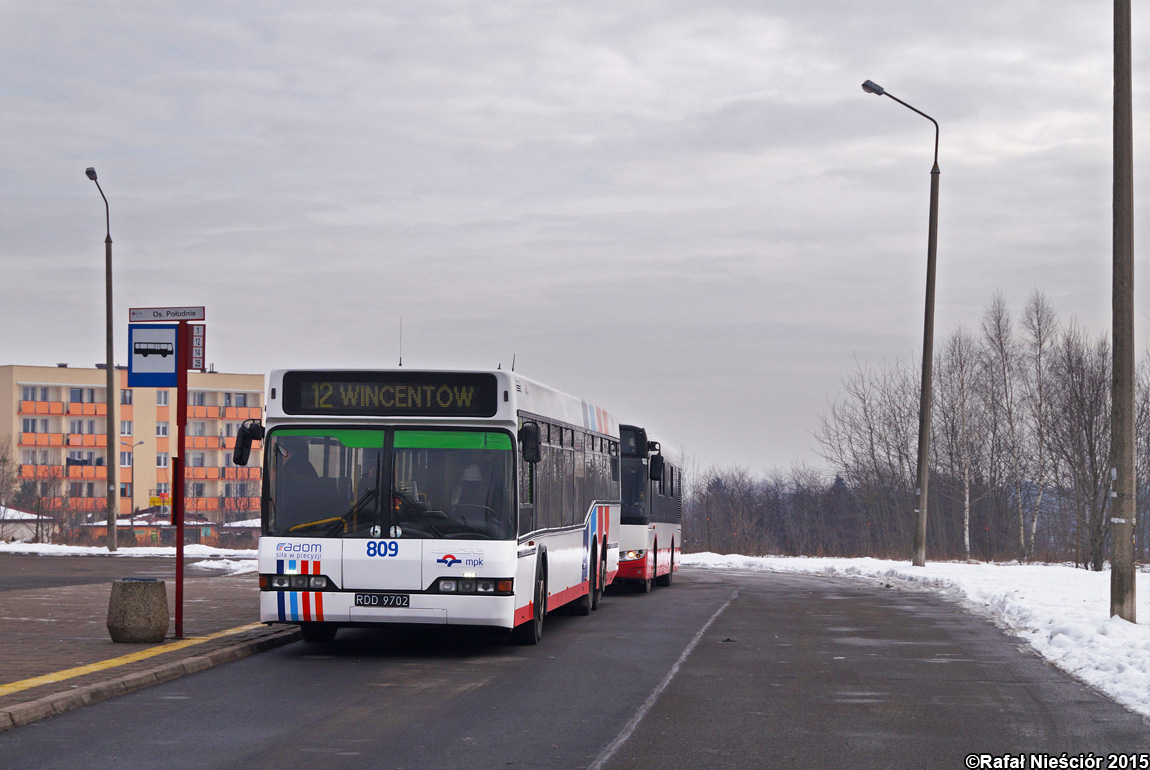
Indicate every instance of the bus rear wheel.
{"type": "Point", "coordinates": [665, 580]}
{"type": "Point", "coordinates": [587, 603]}
{"type": "Point", "coordinates": [597, 594]}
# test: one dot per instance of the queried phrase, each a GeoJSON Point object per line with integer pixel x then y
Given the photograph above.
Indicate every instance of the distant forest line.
{"type": "Point", "coordinates": [1019, 464]}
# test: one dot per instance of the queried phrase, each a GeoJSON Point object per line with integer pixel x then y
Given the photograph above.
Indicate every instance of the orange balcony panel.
{"type": "Point", "coordinates": [241, 474]}
{"type": "Point", "coordinates": [203, 473]}
{"type": "Point", "coordinates": [202, 442]}
{"type": "Point", "coordinates": [42, 439]}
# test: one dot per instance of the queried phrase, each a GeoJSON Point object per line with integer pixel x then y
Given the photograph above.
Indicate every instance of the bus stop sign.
{"type": "Point", "coordinates": [153, 355]}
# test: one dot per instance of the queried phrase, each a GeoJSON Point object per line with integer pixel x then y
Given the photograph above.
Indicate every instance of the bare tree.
{"type": "Point", "coordinates": [869, 438]}
{"type": "Point", "coordinates": [9, 473]}
{"type": "Point", "coordinates": [1040, 327]}
{"type": "Point", "coordinates": [961, 422]}
{"type": "Point", "coordinates": [1080, 437]}
{"type": "Point", "coordinates": [1003, 362]}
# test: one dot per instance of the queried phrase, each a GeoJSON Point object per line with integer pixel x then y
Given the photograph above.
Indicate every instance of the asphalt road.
{"type": "Point", "coordinates": [18, 572]}
{"type": "Point", "coordinates": [723, 670]}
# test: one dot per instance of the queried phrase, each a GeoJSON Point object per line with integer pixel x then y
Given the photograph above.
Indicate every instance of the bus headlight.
{"type": "Point", "coordinates": [633, 555]}
{"type": "Point", "coordinates": [485, 586]}
{"type": "Point", "coordinates": [295, 583]}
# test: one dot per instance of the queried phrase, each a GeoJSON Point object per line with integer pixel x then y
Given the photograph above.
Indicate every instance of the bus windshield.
{"type": "Point", "coordinates": [390, 483]}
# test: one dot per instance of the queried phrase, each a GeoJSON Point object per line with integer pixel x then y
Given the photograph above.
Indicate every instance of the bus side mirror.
{"type": "Point", "coordinates": [531, 447]}
{"type": "Point", "coordinates": [250, 431]}
{"type": "Point", "coordinates": [656, 469]}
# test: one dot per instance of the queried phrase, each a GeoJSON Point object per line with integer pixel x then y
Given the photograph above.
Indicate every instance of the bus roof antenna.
{"type": "Point", "coordinates": [512, 362]}
{"type": "Point", "coordinates": [401, 342]}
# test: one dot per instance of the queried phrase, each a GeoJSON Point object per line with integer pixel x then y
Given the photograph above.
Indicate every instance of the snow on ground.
{"type": "Point", "coordinates": [226, 560]}
{"type": "Point", "coordinates": [1062, 612]}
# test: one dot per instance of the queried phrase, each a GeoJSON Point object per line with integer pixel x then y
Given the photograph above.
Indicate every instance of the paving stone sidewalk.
{"type": "Point", "coordinates": [47, 631]}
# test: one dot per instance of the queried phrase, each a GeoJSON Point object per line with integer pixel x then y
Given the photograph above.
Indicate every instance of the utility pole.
{"type": "Point", "coordinates": [1122, 494]}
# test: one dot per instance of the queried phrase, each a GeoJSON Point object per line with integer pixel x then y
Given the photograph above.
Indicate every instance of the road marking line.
{"type": "Point", "coordinates": [629, 728]}
{"type": "Point", "coordinates": [91, 668]}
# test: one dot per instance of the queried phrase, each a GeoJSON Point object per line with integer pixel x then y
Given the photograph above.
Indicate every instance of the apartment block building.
{"type": "Point", "coordinates": [53, 421]}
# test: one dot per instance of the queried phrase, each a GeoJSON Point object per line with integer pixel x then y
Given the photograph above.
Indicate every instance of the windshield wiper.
{"type": "Point", "coordinates": [362, 502]}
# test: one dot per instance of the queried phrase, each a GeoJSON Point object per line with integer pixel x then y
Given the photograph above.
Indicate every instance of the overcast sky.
{"type": "Point", "coordinates": [688, 212]}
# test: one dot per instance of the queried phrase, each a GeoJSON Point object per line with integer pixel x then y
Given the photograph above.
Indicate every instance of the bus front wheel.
{"type": "Point", "coordinates": [532, 631]}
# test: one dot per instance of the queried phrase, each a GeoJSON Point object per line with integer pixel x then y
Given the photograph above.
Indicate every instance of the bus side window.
{"type": "Point", "coordinates": [526, 497]}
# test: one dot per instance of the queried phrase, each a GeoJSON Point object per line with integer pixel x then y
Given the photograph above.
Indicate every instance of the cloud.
{"type": "Point", "coordinates": [688, 211]}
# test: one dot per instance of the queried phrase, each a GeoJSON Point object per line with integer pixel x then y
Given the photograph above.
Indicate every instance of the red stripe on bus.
{"type": "Point", "coordinates": [319, 606]}
{"type": "Point", "coordinates": [306, 605]}
{"type": "Point", "coordinates": [567, 595]}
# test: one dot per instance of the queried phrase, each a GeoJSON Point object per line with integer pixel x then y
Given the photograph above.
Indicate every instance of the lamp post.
{"type": "Point", "coordinates": [132, 449]}
{"type": "Point", "coordinates": [919, 557]}
{"type": "Point", "coordinates": [110, 369]}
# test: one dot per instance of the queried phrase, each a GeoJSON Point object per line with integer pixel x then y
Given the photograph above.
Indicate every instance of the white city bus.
{"type": "Point", "coordinates": [436, 497]}
{"type": "Point", "coordinates": [651, 531]}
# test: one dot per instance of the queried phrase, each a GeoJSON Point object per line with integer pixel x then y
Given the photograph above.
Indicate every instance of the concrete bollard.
{"type": "Point", "coordinates": [138, 610]}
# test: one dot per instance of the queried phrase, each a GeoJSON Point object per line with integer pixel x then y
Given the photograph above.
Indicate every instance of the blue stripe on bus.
{"type": "Point", "coordinates": [279, 566]}
{"type": "Point", "coordinates": [280, 601]}
{"type": "Point", "coordinates": [294, 606]}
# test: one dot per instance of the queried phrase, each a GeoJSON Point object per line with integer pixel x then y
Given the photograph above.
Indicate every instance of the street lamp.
{"type": "Point", "coordinates": [132, 448]}
{"type": "Point", "coordinates": [110, 370]}
{"type": "Point", "coordinates": [919, 558]}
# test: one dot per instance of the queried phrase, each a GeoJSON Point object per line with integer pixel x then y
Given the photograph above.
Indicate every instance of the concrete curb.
{"type": "Point", "coordinates": [58, 703]}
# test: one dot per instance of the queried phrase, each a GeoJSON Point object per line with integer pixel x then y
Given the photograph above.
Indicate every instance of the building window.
{"type": "Point", "coordinates": [76, 489]}
{"type": "Point", "coordinates": [162, 428]}
{"type": "Point", "coordinates": [29, 424]}
{"type": "Point", "coordinates": [126, 396]}
{"type": "Point", "coordinates": [242, 399]}
{"type": "Point", "coordinates": [163, 488]}
{"type": "Point", "coordinates": [126, 489]}
{"type": "Point", "coordinates": [161, 459]}
{"type": "Point", "coordinates": [125, 459]}
{"type": "Point", "coordinates": [197, 398]}
{"type": "Point", "coordinates": [197, 489]}
{"type": "Point", "coordinates": [196, 460]}
{"type": "Point", "coordinates": [161, 398]}
{"type": "Point", "coordinates": [28, 393]}
{"type": "Point", "coordinates": [44, 425]}
{"type": "Point", "coordinates": [29, 456]}
{"type": "Point", "coordinates": [227, 399]}
{"type": "Point", "coordinates": [76, 395]}
{"type": "Point", "coordinates": [125, 427]}
{"type": "Point", "coordinates": [199, 429]}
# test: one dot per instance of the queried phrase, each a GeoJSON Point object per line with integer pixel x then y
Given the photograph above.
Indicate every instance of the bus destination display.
{"type": "Point", "coordinates": [415, 394]}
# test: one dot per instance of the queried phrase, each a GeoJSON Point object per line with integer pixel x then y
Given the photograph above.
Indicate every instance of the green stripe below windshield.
{"type": "Point", "coordinates": [359, 439]}
{"type": "Point", "coordinates": [451, 439]}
